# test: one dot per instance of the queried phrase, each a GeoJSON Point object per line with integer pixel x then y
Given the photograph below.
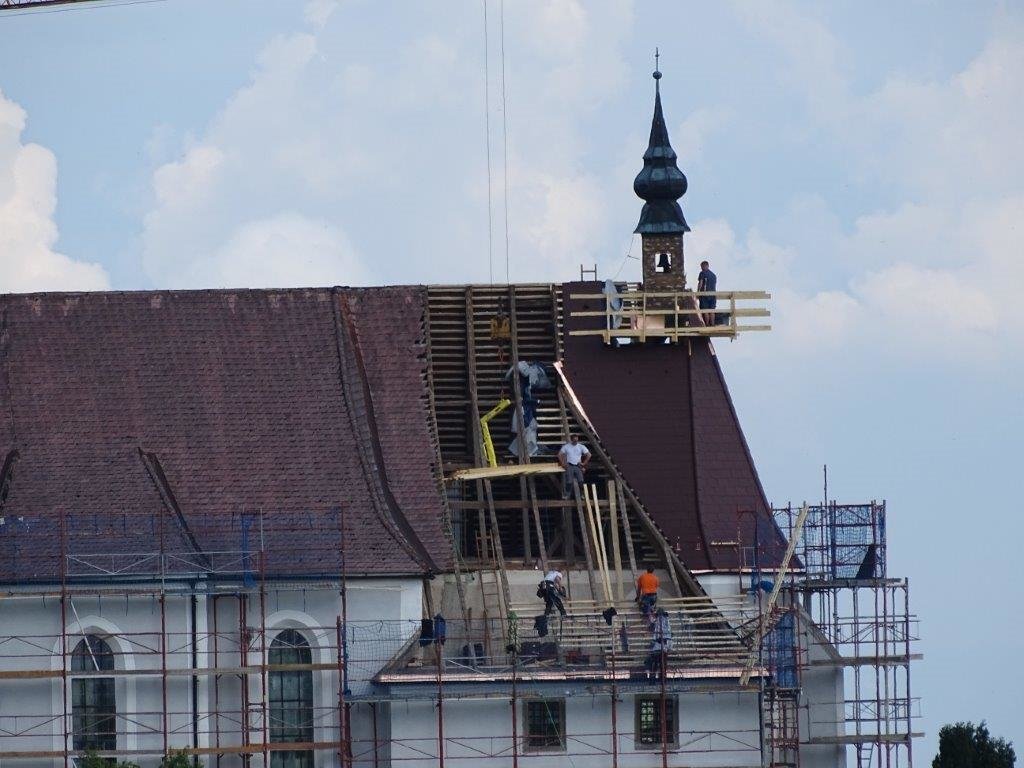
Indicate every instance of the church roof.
{"type": "Point", "coordinates": [212, 420]}
{"type": "Point", "coordinates": [664, 414]}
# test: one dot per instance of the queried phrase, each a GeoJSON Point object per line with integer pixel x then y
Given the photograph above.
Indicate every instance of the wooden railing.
{"type": "Point", "coordinates": [672, 315]}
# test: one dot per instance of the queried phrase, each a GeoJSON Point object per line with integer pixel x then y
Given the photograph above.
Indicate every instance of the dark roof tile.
{"type": "Point", "coordinates": [239, 396]}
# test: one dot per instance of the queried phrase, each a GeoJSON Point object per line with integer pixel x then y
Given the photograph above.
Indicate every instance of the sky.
{"type": "Point", "coordinates": [860, 161]}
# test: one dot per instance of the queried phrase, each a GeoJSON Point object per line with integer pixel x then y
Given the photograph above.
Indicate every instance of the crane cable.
{"type": "Point", "coordinates": [487, 130]}
{"type": "Point", "coordinates": [504, 131]}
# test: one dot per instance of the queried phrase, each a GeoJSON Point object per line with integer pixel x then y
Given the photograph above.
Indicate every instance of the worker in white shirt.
{"type": "Point", "coordinates": [553, 591]}
{"type": "Point", "coordinates": [573, 457]}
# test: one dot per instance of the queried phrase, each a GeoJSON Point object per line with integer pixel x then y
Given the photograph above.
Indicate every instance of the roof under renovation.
{"type": "Point", "coordinates": [205, 407]}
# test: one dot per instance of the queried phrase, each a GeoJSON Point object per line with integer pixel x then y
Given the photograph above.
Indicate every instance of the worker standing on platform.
{"type": "Point", "coordinates": [707, 281]}
{"type": "Point", "coordinates": [647, 594]}
{"type": "Point", "coordinates": [553, 591]}
{"type": "Point", "coordinates": [661, 643]}
{"type": "Point", "coordinates": [573, 457]}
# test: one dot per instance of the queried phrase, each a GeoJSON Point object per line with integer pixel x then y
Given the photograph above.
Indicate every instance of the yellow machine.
{"type": "Point", "coordinates": [492, 459]}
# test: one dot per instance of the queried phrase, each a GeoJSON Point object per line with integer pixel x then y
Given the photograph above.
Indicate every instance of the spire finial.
{"type": "Point", "coordinates": [660, 183]}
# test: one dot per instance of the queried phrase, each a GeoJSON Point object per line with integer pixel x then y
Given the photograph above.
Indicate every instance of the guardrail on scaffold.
{"type": "Point", "coordinates": [638, 314]}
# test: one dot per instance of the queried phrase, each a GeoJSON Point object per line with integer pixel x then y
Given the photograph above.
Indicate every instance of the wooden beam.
{"type": "Point", "coordinates": [603, 549]}
{"type": "Point", "coordinates": [651, 529]}
{"type": "Point", "coordinates": [474, 416]}
{"type": "Point", "coordinates": [685, 331]}
{"type": "Point", "coordinates": [517, 390]}
{"type": "Point", "coordinates": [498, 551]}
{"type": "Point", "coordinates": [515, 504]}
{"type": "Point", "coordinates": [614, 530]}
{"type": "Point", "coordinates": [627, 528]}
{"type": "Point", "coordinates": [638, 295]}
{"type": "Point", "coordinates": [739, 312]}
{"type": "Point", "coordinates": [532, 486]}
{"type": "Point", "coordinates": [586, 540]}
{"type": "Point", "coordinates": [446, 509]}
{"type": "Point", "coordinates": [506, 470]}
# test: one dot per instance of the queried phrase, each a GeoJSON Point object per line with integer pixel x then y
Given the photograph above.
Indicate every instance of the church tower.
{"type": "Point", "coordinates": [660, 184]}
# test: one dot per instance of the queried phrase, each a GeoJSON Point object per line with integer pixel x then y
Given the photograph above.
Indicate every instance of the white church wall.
{"type": "Point", "coordinates": [34, 707]}
{"type": "Point", "coordinates": [719, 729]}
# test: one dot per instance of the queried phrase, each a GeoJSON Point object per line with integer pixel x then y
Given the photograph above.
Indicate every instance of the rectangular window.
{"type": "Point", "coordinates": [545, 724]}
{"type": "Point", "coordinates": [93, 713]}
{"type": "Point", "coordinates": [649, 721]}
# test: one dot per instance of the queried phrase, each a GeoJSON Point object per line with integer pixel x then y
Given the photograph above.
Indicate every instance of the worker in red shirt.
{"type": "Point", "coordinates": [647, 594]}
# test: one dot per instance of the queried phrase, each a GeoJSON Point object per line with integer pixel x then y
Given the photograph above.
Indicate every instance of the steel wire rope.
{"type": "Point", "coordinates": [487, 131]}
{"type": "Point", "coordinates": [504, 131]}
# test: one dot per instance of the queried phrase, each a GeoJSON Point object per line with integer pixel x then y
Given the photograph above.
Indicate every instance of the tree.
{"type": "Point", "coordinates": [178, 760]}
{"type": "Point", "coordinates": [92, 760]}
{"type": "Point", "coordinates": [965, 745]}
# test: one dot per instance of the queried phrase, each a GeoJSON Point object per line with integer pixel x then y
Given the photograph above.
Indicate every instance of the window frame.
{"type": "Point", "coordinates": [93, 697]}
{"type": "Point", "coordinates": [527, 737]}
{"type": "Point", "coordinates": [671, 727]}
{"type": "Point", "coordinates": [279, 708]}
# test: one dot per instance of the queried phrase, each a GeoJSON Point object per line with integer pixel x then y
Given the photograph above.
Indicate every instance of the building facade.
{"type": "Point", "coordinates": [262, 528]}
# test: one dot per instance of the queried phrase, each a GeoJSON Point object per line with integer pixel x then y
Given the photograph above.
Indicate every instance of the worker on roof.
{"type": "Point", "coordinates": [552, 590]}
{"type": "Point", "coordinates": [661, 643]}
{"type": "Point", "coordinates": [573, 457]}
{"type": "Point", "coordinates": [707, 281]}
{"type": "Point", "coordinates": [647, 594]}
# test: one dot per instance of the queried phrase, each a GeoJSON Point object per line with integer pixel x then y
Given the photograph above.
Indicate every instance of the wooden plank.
{"type": "Point", "coordinates": [514, 504]}
{"type": "Point", "coordinates": [627, 528]}
{"type": "Point", "coordinates": [498, 552]}
{"type": "Point", "coordinates": [586, 540]}
{"type": "Point", "coordinates": [614, 530]}
{"type": "Point", "coordinates": [446, 510]}
{"type": "Point", "coordinates": [471, 384]}
{"type": "Point", "coordinates": [517, 390]}
{"type": "Point", "coordinates": [639, 295]}
{"type": "Point", "coordinates": [740, 312]}
{"type": "Point", "coordinates": [567, 526]}
{"type": "Point", "coordinates": [577, 409]}
{"type": "Point", "coordinates": [689, 330]}
{"type": "Point", "coordinates": [532, 484]}
{"type": "Point", "coordinates": [505, 470]}
{"type": "Point", "coordinates": [597, 535]}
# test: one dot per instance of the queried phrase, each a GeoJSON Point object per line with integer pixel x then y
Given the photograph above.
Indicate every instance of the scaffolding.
{"type": "Point", "coordinates": [212, 676]}
{"type": "Point", "coordinates": [844, 593]}
{"type": "Point", "coordinates": [371, 666]}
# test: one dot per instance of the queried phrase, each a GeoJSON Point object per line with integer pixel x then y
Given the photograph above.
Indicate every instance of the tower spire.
{"type": "Point", "coordinates": [660, 183]}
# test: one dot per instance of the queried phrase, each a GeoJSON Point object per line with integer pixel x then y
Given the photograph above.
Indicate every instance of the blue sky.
{"type": "Point", "coordinates": [860, 161]}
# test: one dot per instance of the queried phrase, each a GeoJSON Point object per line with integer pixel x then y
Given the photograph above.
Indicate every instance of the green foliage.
{"type": "Point", "coordinates": [177, 760]}
{"type": "Point", "coordinates": [92, 760]}
{"type": "Point", "coordinates": [173, 760]}
{"type": "Point", "coordinates": [965, 745]}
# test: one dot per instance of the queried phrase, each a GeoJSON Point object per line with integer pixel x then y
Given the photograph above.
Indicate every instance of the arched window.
{"type": "Point", "coordinates": [93, 700]}
{"type": "Point", "coordinates": [291, 699]}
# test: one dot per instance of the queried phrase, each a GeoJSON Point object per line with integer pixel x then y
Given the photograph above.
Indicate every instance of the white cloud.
{"type": "Point", "coordinates": [934, 275]}
{"type": "Point", "coordinates": [389, 150]}
{"type": "Point", "coordinates": [285, 251]}
{"type": "Point", "coordinates": [28, 233]}
{"type": "Point", "coordinates": [689, 138]}
{"type": "Point", "coordinates": [318, 12]}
